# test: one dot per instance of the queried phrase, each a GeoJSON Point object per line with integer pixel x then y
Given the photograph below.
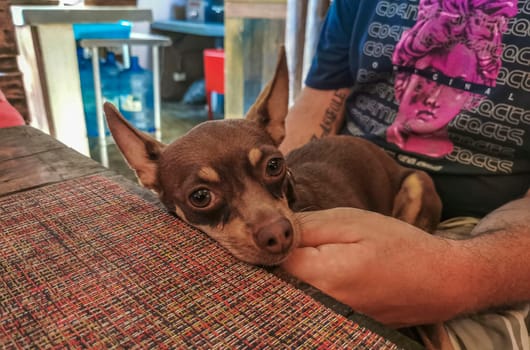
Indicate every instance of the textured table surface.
{"type": "Point", "coordinates": [89, 259]}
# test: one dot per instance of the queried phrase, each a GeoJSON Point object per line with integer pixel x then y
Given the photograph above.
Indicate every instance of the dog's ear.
{"type": "Point", "coordinates": [140, 150]}
{"type": "Point", "coordinates": [271, 106]}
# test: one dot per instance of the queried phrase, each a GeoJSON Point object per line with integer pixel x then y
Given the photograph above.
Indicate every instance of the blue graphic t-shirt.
{"type": "Point", "coordinates": [443, 86]}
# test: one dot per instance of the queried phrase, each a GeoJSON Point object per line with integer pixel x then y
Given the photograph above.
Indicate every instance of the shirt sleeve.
{"type": "Point", "coordinates": [330, 68]}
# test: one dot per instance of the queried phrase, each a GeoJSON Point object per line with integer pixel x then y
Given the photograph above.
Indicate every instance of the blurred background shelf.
{"type": "Point", "coordinates": [190, 27]}
{"type": "Point", "coordinates": [150, 40]}
{"type": "Point", "coordinates": [47, 54]}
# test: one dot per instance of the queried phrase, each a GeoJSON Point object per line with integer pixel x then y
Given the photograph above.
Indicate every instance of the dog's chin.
{"type": "Point", "coordinates": [263, 258]}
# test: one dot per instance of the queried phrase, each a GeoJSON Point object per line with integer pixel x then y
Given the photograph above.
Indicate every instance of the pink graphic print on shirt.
{"type": "Point", "coordinates": [445, 64]}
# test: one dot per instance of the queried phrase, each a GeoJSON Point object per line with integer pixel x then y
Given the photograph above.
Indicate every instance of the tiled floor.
{"type": "Point", "coordinates": [177, 119]}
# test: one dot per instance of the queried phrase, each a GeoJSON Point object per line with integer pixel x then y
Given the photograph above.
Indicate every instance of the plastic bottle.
{"type": "Point", "coordinates": [136, 96]}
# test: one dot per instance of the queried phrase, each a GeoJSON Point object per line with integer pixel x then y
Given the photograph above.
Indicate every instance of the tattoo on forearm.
{"type": "Point", "coordinates": [331, 114]}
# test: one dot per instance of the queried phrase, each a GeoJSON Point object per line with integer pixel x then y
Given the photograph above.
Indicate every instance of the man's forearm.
{"type": "Point", "coordinates": [333, 115]}
{"type": "Point", "coordinates": [498, 258]}
{"type": "Point", "coordinates": [315, 114]}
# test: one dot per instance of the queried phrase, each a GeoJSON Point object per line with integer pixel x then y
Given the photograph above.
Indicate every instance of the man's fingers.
{"type": "Point", "coordinates": [338, 225]}
{"type": "Point", "coordinates": [316, 264]}
{"type": "Point", "coordinates": [301, 263]}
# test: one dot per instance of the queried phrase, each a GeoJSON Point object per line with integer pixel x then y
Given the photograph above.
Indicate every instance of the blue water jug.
{"type": "Point", "coordinates": [109, 73]}
{"type": "Point", "coordinates": [214, 11]}
{"type": "Point", "coordinates": [87, 92]}
{"type": "Point", "coordinates": [136, 96]}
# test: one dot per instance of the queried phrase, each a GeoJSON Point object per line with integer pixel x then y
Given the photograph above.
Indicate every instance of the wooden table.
{"type": "Point", "coordinates": [31, 160]}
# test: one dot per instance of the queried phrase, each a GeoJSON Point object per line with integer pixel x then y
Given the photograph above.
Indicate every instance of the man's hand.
{"type": "Point", "coordinates": [379, 266]}
{"type": "Point", "coordinates": [401, 276]}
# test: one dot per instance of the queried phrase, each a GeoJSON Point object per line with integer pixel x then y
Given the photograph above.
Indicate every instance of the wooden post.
{"type": "Point", "coordinates": [234, 83]}
{"type": "Point", "coordinates": [294, 43]}
{"type": "Point", "coordinates": [316, 12]}
{"type": "Point", "coordinates": [254, 31]}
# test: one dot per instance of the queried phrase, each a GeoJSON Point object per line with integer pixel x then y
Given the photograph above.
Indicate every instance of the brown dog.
{"type": "Point", "coordinates": [228, 178]}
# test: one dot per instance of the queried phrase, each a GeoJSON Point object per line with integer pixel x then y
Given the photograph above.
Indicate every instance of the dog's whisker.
{"type": "Point", "coordinates": [304, 218]}
{"type": "Point", "coordinates": [308, 208]}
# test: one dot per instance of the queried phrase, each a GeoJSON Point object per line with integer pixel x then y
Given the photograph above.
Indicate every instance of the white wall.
{"type": "Point", "coordinates": [162, 10]}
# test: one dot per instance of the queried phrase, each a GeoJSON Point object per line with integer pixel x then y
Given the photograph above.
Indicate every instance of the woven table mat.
{"type": "Point", "coordinates": [84, 263]}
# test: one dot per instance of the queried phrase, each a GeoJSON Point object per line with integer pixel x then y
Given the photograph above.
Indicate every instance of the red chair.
{"type": "Point", "coordinates": [214, 75]}
{"type": "Point", "coordinates": [9, 116]}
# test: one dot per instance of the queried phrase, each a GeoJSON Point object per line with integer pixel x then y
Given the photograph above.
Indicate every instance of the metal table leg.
{"type": "Point", "coordinates": [102, 140]}
{"type": "Point", "coordinates": [156, 93]}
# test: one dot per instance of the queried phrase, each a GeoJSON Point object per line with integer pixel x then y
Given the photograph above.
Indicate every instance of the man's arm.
{"type": "Point", "coordinates": [316, 113]}
{"type": "Point", "coordinates": [501, 251]}
{"type": "Point", "coordinates": [401, 275]}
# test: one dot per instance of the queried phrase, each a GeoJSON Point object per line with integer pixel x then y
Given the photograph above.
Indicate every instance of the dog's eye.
{"type": "Point", "coordinates": [201, 198]}
{"type": "Point", "coordinates": [275, 167]}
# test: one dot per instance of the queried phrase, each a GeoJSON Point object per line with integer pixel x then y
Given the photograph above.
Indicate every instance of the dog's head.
{"type": "Point", "coordinates": [225, 177]}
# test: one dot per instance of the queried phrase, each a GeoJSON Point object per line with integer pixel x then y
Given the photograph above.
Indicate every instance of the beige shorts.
{"type": "Point", "coordinates": [504, 329]}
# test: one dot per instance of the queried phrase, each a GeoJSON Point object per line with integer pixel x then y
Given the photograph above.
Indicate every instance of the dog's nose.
{"type": "Point", "coordinates": [276, 237]}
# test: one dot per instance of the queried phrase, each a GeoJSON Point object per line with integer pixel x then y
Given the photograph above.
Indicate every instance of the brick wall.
{"type": "Point", "coordinates": [11, 82]}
